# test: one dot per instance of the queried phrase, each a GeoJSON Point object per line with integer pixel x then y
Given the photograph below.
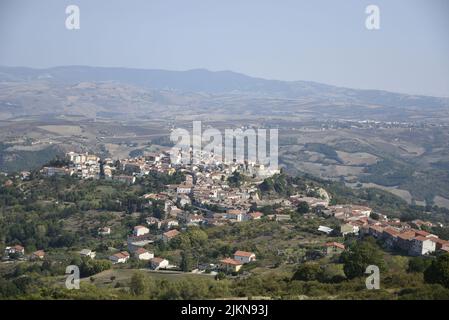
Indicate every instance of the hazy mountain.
{"type": "Point", "coordinates": [89, 90]}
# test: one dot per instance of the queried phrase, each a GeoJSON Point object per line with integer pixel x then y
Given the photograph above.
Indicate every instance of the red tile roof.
{"type": "Point", "coordinates": [243, 253]}
{"type": "Point", "coordinates": [141, 251]}
{"type": "Point", "coordinates": [230, 261]}
{"type": "Point", "coordinates": [335, 244]}
{"type": "Point", "coordinates": [171, 233]}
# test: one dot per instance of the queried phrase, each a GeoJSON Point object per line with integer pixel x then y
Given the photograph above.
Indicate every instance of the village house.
{"type": "Point", "coordinates": [325, 229]}
{"type": "Point", "coordinates": [143, 254]}
{"type": "Point", "coordinates": [158, 263]}
{"type": "Point", "coordinates": [390, 237]}
{"type": "Point", "coordinates": [256, 215]}
{"type": "Point", "coordinates": [244, 256]}
{"type": "Point", "coordinates": [170, 224]}
{"type": "Point", "coordinates": [331, 248]}
{"type": "Point", "coordinates": [38, 255]}
{"type": "Point", "coordinates": [167, 236]}
{"type": "Point", "coordinates": [104, 231]}
{"type": "Point", "coordinates": [440, 244]}
{"type": "Point", "coordinates": [152, 221]}
{"type": "Point", "coordinates": [282, 217]}
{"type": "Point", "coordinates": [421, 246]}
{"type": "Point", "coordinates": [230, 265]}
{"type": "Point", "coordinates": [87, 253]}
{"type": "Point", "coordinates": [120, 257]}
{"type": "Point", "coordinates": [184, 188]}
{"type": "Point", "coordinates": [17, 249]}
{"type": "Point", "coordinates": [349, 228]}
{"type": "Point", "coordinates": [140, 231]}
{"type": "Point", "coordinates": [235, 214]}
{"type": "Point", "coordinates": [125, 179]}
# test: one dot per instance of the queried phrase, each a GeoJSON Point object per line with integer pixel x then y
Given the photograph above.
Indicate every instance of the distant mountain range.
{"type": "Point", "coordinates": [199, 81]}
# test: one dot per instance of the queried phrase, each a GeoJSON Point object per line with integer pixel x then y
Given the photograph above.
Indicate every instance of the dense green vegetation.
{"type": "Point", "coordinates": [62, 214]}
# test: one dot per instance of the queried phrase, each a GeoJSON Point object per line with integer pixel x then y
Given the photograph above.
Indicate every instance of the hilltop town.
{"type": "Point", "coordinates": [211, 194]}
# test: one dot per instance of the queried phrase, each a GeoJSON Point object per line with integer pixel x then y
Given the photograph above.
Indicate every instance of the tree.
{"type": "Point", "coordinates": [137, 284]}
{"type": "Point", "coordinates": [308, 272]}
{"type": "Point", "coordinates": [235, 180]}
{"type": "Point", "coordinates": [303, 207]}
{"type": "Point", "coordinates": [359, 256]}
{"type": "Point", "coordinates": [186, 262]}
{"type": "Point", "coordinates": [418, 264]}
{"type": "Point", "coordinates": [438, 271]}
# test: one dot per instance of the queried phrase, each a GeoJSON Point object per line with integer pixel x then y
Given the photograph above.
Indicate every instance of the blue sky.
{"type": "Point", "coordinates": [318, 40]}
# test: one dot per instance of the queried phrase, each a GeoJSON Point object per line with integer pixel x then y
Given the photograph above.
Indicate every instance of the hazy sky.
{"type": "Point", "coordinates": [323, 41]}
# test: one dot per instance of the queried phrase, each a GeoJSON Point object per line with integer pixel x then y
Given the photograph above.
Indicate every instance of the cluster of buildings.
{"type": "Point", "coordinates": [83, 165]}
{"type": "Point", "coordinates": [406, 237]}
{"type": "Point", "coordinates": [19, 252]}
{"type": "Point", "coordinates": [236, 263]}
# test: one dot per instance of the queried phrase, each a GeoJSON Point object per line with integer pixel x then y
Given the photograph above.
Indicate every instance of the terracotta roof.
{"type": "Point", "coordinates": [439, 241]}
{"type": "Point", "coordinates": [39, 253]}
{"type": "Point", "coordinates": [422, 233]}
{"type": "Point", "coordinates": [335, 244]}
{"type": "Point", "coordinates": [171, 233]}
{"type": "Point", "coordinates": [157, 260]}
{"type": "Point", "coordinates": [391, 231]}
{"type": "Point", "coordinates": [243, 253]}
{"type": "Point", "coordinates": [256, 214]}
{"type": "Point", "coordinates": [377, 228]}
{"type": "Point", "coordinates": [230, 261]}
{"type": "Point", "coordinates": [141, 251]}
{"type": "Point", "coordinates": [406, 235]}
{"type": "Point", "coordinates": [121, 255]}
{"type": "Point", "coordinates": [421, 238]}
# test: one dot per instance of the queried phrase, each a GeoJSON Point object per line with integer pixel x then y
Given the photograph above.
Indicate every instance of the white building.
{"type": "Point", "coordinates": [121, 257]}
{"type": "Point", "coordinates": [421, 246]}
{"type": "Point", "coordinates": [140, 231]}
{"type": "Point", "coordinates": [158, 263]}
{"type": "Point", "coordinates": [87, 253]}
{"type": "Point", "coordinates": [244, 256]}
{"type": "Point", "coordinates": [143, 254]}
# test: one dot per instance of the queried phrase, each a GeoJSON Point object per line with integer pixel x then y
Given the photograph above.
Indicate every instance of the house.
{"type": "Point", "coordinates": [140, 231]}
{"type": "Point", "coordinates": [361, 210]}
{"type": "Point", "coordinates": [440, 244]}
{"type": "Point", "coordinates": [184, 189]}
{"type": "Point", "coordinates": [126, 179]}
{"type": "Point", "coordinates": [152, 221]}
{"type": "Point", "coordinates": [235, 214]}
{"type": "Point", "coordinates": [421, 246]}
{"type": "Point", "coordinates": [143, 254]}
{"type": "Point", "coordinates": [331, 248]}
{"type": "Point", "coordinates": [194, 219]}
{"type": "Point", "coordinates": [104, 231]}
{"type": "Point", "coordinates": [348, 228]}
{"type": "Point", "coordinates": [404, 240]}
{"type": "Point", "coordinates": [229, 264]}
{"type": "Point", "coordinates": [167, 236]}
{"type": "Point", "coordinates": [256, 215]}
{"type": "Point", "coordinates": [375, 231]}
{"type": "Point", "coordinates": [120, 257]}
{"type": "Point", "coordinates": [87, 253]}
{"type": "Point", "coordinates": [170, 223]}
{"type": "Point", "coordinates": [244, 256]}
{"type": "Point", "coordinates": [17, 249]}
{"type": "Point", "coordinates": [158, 263]}
{"type": "Point", "coordinates": [38, 255]}
{"type": "Point", "coordinates": [390, 236]}
{"type": "Point", "coordinates": [325, 229]}
{"type": "Point", "coordinates": [282, 217]}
